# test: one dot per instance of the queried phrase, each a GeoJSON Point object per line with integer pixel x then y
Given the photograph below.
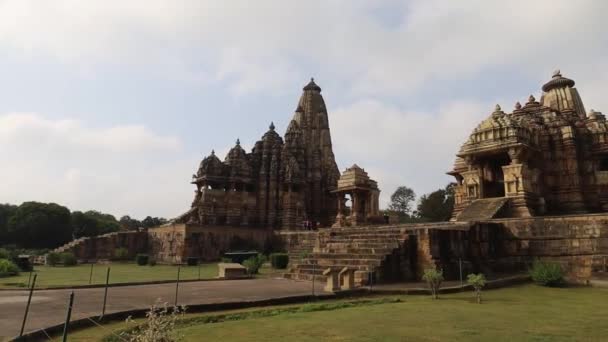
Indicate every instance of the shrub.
{"type": "Point", "coordinates": [279, 260]}
{"type": "Point", "coordinates": [8, 268]}
{"type": "Point", "coordinates": [226, 260]}
{"type": "Point", "coordinates": [68, 259]}
{"type": "Point", "coordinates": [152, 262]}
{"type": "Point", "coordinates": [142, 259]}
{"type": "Point", "coordinates": [547, 273]}
{"type": "Point", "coordinates": [192, 261]}
{"type": "Point", "coordinates": [433, 277]}
{"type": "Point", "coordinates": [121, 254]}
{"type": "Point", "coordinates": [23, 263]}
{"type": "Point", "coordinates": [159, 325]}
{"type": "Point", "coordinates": [4, 253]}
{"type": "Point", "coordinates": [53, 258]}
{"type": "Point", "coordinates": [478, 281]}
{"type": "Point", "coordinates": [253, 264]}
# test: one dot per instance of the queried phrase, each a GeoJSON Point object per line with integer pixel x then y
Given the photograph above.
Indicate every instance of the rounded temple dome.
{"type": "Point", "coordinates": [210, 166]}
{"type": "Point", "coordinates": [312, 86]}
{"type": "Point", "coordinates": [558, 81]}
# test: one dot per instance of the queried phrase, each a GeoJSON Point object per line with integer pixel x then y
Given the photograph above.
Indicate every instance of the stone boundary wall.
{"type": "Point", "coordinates": [174, 243]}
{"type": "Point", "coordinates": [103, 246]}
{"type": "Point", "coordinates": [578, 242]}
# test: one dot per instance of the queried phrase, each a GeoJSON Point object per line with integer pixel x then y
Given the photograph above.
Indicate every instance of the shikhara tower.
{"type": "Point", "coordinates": [280, 183]}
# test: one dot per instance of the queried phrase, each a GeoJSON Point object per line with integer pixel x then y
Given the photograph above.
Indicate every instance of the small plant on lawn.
{"type": "Point", "coordinates": [478, 281]}
{"type": "Point", "coordinates": [52, 259]}
{"type": "Point", "coordinates": [547, 273]}
{"type": "Point", "coordinates": [142, 259]}
{"type": "Point", "coordinates": [152, 262]}
{"type": "Point", "coordinates": [8, 268]}
{"type": "Point", "coordinates": [68, 259]}
{"type": "Point", "coordinates": [192, 261]}
{"type": "Point", "coordinates": [159, 325]}
{"type": "Point", "coordinates": [279, 260]}
{"type": "Point", "coordinates": [121, 254]}
{"type": "Point", "coordinates": [433, 278]}
{"type": "Point", "coordinates": [253, 264]}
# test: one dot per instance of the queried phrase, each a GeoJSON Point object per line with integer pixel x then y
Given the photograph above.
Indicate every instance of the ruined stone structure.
{"type": "Point", "coordinates": [364, 195]}
{"type": "Point", "coordinates": [280, 183]}
{"type": "Point", "coordinates": [545, 157]}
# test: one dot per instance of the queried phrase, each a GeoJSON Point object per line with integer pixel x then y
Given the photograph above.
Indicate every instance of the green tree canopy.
{"type": "Point", "coordinates": [129, 223]}
{"type": "Point", "coordinates": [401, 201]}
{"type": "Point", "coordinates": [438, 205]}
{"type": "Point", "coordinates": [40, 225]}
{"type": "Point", "coordinates": [150, 222]}
{"type": "Point", "coordinates": [6, 211]}
{"type": "Point", "coordinates": [92, 223]}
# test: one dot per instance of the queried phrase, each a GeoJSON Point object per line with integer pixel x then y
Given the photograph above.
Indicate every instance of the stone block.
{"type": "Point", "coordinates": [332, 284]}
{"type": "Point", "coordinates": [231, 271]}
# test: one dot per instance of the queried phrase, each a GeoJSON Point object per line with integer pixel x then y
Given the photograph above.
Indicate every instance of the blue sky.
{"type": "Point", "coordinates": [111, 105]}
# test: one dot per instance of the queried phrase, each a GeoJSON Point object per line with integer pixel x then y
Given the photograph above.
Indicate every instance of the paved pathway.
{"type": "Point", "coordinates": [49, 306]}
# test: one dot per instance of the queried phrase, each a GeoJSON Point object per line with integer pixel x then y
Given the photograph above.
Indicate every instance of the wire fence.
{"type": "Point", "coordinates": [100, 303]}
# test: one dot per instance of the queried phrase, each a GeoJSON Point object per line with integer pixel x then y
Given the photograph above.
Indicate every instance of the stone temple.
{"type": "Point", "coordinates": [281, 183]}
{"type": "Point", "coordinates": [546, 157]}
{"type": "Point", "coordinates": [531, 184]}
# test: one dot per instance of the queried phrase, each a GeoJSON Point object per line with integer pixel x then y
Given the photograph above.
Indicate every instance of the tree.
{"type": "Point", "coordinates": [478, 281]}
{"type": "Point", "coordinates": [401, 201]}
{"type": "Point", "coordinates": [93, 223]}
{"type": "Point", "coordinates": [438, 205]}
{"type": "Point", "coordinates": [433, 278]}
{"type": "Point", "coordinates": [40, 225]}
{"type": "Point", "coordinates": [150, 222]}
{"type": "Point", "coordinates": [6, 211]}
{"type": "Point", "coordinates": [129, 223]}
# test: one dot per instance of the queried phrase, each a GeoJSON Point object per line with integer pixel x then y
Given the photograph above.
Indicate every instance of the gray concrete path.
{"type": "Point", "coordinates": [49, 306]}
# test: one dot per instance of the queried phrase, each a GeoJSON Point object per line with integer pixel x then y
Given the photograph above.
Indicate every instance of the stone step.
{"type": "Point", "coordinates": [355, 250]}
{"type": "Point", "coordinates": [322, 256]}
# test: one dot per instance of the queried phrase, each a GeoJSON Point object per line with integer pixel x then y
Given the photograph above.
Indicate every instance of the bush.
{"type": "Point", "coordinates": [226, 260]}
{"type": "Point", "coordinates": [68, 259]}
{"type": "Point", "coordinates": [8, 268]}
{"type": "Point", "coordinates": [433, 277]}
{"type": "Point", "coordinates": [121, 254]}
{"type": "Point", "coordinates": [142, 259]}
{"type": "Point", "coordinates": [152, 262]}
{"type": "Point", "coordinates": [52, 259]}
{"type": "Point", "coordinates": [4, 253]}
{"type": "Point", "coordinates": [547, 273]}
{"type": "Point", "coordinates": [192, 261]}
{"type": "Point", "coordinates": [24, 263]}
{"type": "Point", "coordinates": [478, 281]}
{"type": "Point", "coordinates": [253, 264]}
{"type": "Point", "coordinates": [279, 260]}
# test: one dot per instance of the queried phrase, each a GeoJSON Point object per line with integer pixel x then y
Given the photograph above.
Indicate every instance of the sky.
{"type": "Point", "coordinates": [111, 105]}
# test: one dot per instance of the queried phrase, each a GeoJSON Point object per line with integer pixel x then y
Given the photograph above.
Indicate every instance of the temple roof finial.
{"type": "Point", "coordinates": [312, 85]}
{"type": "Point", "coordinates": [557, 73]}
{"type": "Point", "coordinates": [238, 142]}
{"type": "Point", "coordinates": [271, 126]}
{"type": "Point", "coordinates": [517, 105]}
{"type": "Point", "coordinates": [497, 108]}
{"type": "Point", "coordinates": [531, 98]}
{"type": "Point", "coordinates": [212, 152]}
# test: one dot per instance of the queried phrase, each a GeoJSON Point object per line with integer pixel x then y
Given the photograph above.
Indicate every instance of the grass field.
{"type": "Point", "coordinates": [119, 273]}
{"type": "Point", "coordinates": [524, 313]}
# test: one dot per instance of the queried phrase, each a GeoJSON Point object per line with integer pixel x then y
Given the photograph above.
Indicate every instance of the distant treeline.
{"type": "Point", "coordinates": [49, 225]}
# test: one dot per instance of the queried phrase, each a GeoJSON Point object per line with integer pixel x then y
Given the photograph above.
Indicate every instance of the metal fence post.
{"type": "Point", "coordinates": [460, 268]}
{"type": "Point", "coordinates": [91, 274]}
{"type": "Point", "coordinates": [199, 270]}
{"type": "Point", "coordinates": [177, 284]}
{"type": "Point", "coordinates": [30, 277]}
{"type": "Point", "coordinates": [105, 294]}
{"type": "Point", "coordinates": [313, 278]}
{"type": "Point", "coordinates": [371, 281]}
{"type": "Point", "coordinates": [27, 307]}
{"type": "Point", "coordinates": [67, 318]}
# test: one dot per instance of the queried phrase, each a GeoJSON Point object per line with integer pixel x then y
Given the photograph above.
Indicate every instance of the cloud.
{"type": "Point", "coordinates": [397, 147]}
{"type": "Point", "coordinates": [120, 169]}
{"type": "Point", "coordinates": [377, 48]}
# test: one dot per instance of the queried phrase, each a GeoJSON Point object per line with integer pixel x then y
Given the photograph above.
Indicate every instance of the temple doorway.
{"type": "Point", "coordinates": [493, 176]}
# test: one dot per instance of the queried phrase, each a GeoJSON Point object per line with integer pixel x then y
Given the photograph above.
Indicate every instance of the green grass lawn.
{"type": "Point", "coordinates": [119, 273]}
{"type": "Point", "coordinates": [523, 313]}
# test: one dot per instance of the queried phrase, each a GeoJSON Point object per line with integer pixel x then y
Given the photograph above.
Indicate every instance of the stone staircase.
{"type": "Point", "coordinates": [71, 245]}
{"type": "Point", "coordinates": [361, 248]}
{"type": "Point", "coordinates": [482, 209]}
